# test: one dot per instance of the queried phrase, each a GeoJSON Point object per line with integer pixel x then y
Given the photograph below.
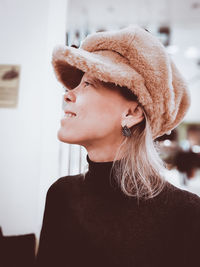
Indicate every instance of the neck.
{"type": "Point", "coordinates": [105, 150]}
{"type": "Point", "coordinates": [107, 155]}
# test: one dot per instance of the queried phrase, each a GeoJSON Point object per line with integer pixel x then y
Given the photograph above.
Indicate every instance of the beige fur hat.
{"type": "Point", "coordinates": [134, 58]}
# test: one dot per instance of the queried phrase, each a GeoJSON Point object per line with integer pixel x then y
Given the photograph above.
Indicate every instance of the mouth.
{"type": "Point", "coordinates": [69, 114]}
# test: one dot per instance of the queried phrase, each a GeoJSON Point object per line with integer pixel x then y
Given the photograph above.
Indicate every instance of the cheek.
{"type": "Point", "coordinates": [103, 116]}
{"type": "Point", "coordinates": [95, 107]}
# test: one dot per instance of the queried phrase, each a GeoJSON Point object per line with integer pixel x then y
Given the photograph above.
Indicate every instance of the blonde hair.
{"type": "Point", "coordinates": [140, 171]}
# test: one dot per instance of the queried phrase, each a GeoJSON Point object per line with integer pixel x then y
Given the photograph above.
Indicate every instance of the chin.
{"type": "Point", "coordinates": [63, 137]}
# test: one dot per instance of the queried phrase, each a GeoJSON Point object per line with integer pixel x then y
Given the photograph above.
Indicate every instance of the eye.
{"type": "Point", "coordinates": [65, 89]}
{"type": "Point", "coordinates": [87, 83]}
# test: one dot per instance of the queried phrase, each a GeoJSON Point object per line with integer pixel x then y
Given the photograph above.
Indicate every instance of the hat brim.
{"type": "Point", "coordinates": [71, 63]}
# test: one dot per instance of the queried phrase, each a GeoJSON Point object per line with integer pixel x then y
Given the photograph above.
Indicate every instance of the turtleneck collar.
{"type": "Point", "coordinates": [100, 174]}
{"type": "Point", "coordinates": [100, 167]}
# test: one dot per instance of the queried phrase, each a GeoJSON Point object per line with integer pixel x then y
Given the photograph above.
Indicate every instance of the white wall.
{"type": "Point", "coordinates": [28, 137]}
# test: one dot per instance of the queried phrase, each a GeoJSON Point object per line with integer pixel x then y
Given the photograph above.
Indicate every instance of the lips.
{"type": "Point", "coordinates": [69, 111]}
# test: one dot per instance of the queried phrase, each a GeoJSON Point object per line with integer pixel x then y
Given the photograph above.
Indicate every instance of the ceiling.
{"type": "Point", "coordinates": [142, 12]}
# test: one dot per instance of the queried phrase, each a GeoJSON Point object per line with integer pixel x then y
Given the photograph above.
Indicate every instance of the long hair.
{"type": "Point", "coordinates": [140, 171]}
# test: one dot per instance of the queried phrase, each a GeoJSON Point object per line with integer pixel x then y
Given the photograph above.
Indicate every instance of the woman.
{"type": "Point", "coordinates": [122, 91]}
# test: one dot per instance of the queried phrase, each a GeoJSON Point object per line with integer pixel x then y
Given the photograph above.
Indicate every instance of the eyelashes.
{"type": "Point", "coordinates": [87, 83]}
{"type": "Point", "coordinates": [65, 89]}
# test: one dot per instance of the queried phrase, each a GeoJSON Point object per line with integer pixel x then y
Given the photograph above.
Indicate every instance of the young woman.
{"type": "Point", "coordinates": [122, 91]}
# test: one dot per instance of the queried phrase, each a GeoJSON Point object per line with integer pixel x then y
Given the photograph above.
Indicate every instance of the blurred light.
{"type": "Point", "coordinates": [185, 145]}
{"type": "Point", "coordinates": [167, 143]}
{"type": "Point", "coordinates": [172, 49]}
{"type": "Point", "coordinates": [196, 149]}
{"type": "Point", "coordinates": [192, 52]}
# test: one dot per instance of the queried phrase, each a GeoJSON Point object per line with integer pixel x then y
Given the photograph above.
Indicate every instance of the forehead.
{"type": "Point", "coordinates": [89, 76]}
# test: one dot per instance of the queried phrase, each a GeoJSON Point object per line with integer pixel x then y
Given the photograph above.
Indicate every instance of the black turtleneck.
{"type": "Point", "coordinates": [91, 223]}
{"type": "Point", "coordinates": [101, 177]}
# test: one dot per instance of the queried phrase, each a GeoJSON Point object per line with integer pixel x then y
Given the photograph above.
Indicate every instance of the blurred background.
{"type": "Point", "coordinates": [31, 99]}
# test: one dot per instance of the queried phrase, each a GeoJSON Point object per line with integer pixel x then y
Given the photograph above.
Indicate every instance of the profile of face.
{"type": "Point", "coordinates": [100, 114]}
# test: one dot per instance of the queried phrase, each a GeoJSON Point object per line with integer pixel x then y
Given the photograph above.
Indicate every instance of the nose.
{"type": "Point", "coordinates": [69, 96]}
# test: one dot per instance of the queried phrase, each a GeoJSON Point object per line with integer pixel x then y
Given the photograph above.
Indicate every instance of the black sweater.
{"type": "Point", "coordinates": [91, 223]}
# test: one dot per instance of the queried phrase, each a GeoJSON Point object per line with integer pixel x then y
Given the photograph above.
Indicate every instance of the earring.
{"type": "Point", "coordinates": [126, 131]}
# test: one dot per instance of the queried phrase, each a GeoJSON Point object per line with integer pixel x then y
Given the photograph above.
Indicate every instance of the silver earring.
{"type": "Point", "coordinates": [126, 131]}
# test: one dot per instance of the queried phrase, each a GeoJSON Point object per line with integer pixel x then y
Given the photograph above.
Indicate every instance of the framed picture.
{"type": "Point", "coordinates": [9, 85]}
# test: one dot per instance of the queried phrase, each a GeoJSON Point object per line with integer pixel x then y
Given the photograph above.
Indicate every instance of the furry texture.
{"type": "Point", "coordinates": [134, 58]}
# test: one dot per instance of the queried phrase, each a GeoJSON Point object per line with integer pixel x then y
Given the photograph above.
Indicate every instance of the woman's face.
{"type": "Point", "coordinates": [99, 112]}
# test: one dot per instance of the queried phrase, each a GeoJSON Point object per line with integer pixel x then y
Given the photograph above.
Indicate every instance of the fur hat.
{"type": "Point", "coordinates": [131, 57]}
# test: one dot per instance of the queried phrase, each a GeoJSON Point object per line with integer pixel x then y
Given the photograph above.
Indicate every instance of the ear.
{"type": "Point", "coordinates": [132, 116]}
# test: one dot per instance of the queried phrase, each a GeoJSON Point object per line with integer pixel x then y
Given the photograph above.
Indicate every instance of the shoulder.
{"type": "Point", "coordinates": [171, 192]}
{"type": "Point", "coordinates": [66, 181]}
{"type": "Point", "coordinates": [180, 200]}
{"type": "Point", "coordinates": [65, 184]}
